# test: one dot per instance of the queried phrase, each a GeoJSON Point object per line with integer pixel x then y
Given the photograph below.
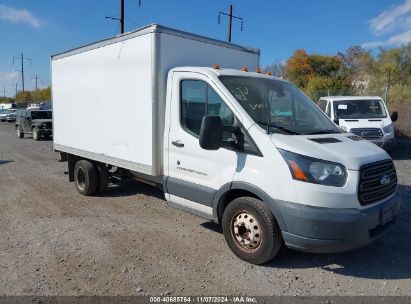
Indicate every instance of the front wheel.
{"type": "Point", "coordinates": [251, 230]}
{"type": "Point", "coordinates": [36, 134]}
{"type": "Point", "coordinates": [20, 133]}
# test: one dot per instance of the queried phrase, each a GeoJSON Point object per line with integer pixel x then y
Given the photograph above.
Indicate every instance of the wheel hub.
{"type": "Point", "coordinates": [247, 231]}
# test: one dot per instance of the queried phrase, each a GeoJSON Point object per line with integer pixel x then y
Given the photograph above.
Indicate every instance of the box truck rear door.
{"type": "Point", "coordinates": [195, 174]}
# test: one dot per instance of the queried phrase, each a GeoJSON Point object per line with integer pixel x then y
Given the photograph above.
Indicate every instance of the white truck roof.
{"type": "Point", "coordinates": [210, 71]}
{"type": "Point", "coordinates": [153, 28]}
{"type": "Point", "coordinates": [335, 98]}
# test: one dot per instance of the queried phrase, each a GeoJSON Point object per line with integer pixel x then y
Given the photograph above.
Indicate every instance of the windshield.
{"type": "Point", "coordinates": [278, 106]}
{"type": "Point", "coordinates": [40, 114]}
{"type": "Point", "coordinates": [359, 109]}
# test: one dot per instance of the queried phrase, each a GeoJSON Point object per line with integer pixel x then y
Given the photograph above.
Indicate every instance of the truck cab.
{"type": "Point", "coordinates": [365, 116]}
{"type": "Point", "coordinates": [236, 133]}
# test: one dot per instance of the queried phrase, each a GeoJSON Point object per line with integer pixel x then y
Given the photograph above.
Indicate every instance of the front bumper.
{"type": "Point", "coordinates": [324, 230]}
{"type": "Point", "coordinates": [45, 132]}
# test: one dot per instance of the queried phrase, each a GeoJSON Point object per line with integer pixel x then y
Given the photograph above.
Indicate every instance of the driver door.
{"type": "Point", "coordinates": [195, 174]}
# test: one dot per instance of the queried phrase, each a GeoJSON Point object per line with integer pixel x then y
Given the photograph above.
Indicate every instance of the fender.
{"type": "Point", "coordinates": [269, 201]}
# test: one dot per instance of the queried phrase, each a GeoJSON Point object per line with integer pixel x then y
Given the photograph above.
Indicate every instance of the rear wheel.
{"type": "Point", "coordinates": [85, 177]}
{"type": "Point", "coordinates": [20, 133]}
{"type": "Point", "coordinates": [36, 134]}
{"type": "Point", "coordinates": [251, 230]}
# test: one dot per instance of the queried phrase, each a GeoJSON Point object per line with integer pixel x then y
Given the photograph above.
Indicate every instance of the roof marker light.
{"type": "Point", "coordinates": [244, 69]}
{"type": "Point", "coordinates": [258, 70]}
{"type": "Point", "coordinates": [269, 73]}
{"type": "Point", "coordinates": [216, 67]}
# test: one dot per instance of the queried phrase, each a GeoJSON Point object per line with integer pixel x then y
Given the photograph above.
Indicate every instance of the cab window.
{"type": "Point", "coordinates": [199, 99]}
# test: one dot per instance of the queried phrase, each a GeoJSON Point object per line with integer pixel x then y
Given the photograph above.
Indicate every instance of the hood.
{"type": "Point", "coordinates": [348, 152]}
{"type": "Point", "coordinates": [364, 123]}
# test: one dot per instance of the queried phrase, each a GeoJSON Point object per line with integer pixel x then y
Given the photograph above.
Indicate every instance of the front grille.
{"type": "Point", "coordinates": [368, 133]}
{"type": "Point", "coordinates": [46, 125]}
{"type": "Point", "coordinates": [377, 181]}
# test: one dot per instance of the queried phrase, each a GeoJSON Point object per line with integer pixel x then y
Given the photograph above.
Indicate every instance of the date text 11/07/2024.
{"type": "Point", "coordinates": [203, 299]}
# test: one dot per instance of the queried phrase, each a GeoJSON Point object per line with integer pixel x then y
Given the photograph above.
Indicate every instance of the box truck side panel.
{"type": "Point", "coordinates": [103, 103]}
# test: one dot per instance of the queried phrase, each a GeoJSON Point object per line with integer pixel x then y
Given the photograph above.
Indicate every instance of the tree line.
{"type": "Point", "coordinates": [354, 72]}
{"type": "Point", "coordinates": [29, 96]}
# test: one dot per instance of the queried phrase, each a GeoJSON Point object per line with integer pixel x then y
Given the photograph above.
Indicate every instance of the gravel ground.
{"type": "Point", "coordinates": [129, 242]}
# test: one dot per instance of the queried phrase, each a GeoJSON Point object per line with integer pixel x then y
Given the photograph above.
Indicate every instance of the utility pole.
{"type": "Point", "coordinates": [16, 89]}
{"type": "Point", "coordinates": [230, 20]}
{"type": "Point", "coordinates": [22, 67]}
{"type": "Point", "coordinates": [121, 19]}
{"type": "Point", "coordinates": [35, 78]}
{"type": "Point", "coordinates": [121, 16]}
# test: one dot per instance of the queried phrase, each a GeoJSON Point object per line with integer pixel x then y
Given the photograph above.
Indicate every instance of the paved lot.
{"type": "Point", "coordinates": [129, 242]}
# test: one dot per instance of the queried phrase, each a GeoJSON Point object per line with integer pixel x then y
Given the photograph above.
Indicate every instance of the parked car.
{"type": "Point", "coordinates": [11, 115]}
{"type": "Point", "coordinates": [247, 150]}
{"type": "Point", "coordinates": [37, 123]}
{"type": "Point", "coordinates": [365, 116]}
{"type": "Point", "coordinates": [3, 115]}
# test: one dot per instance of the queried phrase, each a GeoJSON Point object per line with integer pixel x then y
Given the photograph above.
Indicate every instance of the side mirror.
{"type": "Point", "coordinates": [211, 133]}
{"type": "Point", "coordinates": [336, 121]}
{"type": "Point", "coordinates": [394, 116]}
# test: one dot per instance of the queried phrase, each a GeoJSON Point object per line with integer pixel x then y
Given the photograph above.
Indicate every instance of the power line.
{"type": "Point", "coordinates": [66, 29]}
{"type": "Point", "coordinates": [22, 59]}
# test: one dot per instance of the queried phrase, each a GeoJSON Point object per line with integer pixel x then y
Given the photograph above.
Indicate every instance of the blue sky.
{"type": "Point", "coordinates": [42, 28]}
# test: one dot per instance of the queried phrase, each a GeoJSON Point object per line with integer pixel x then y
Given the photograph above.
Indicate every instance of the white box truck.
{"type": "Point", "coordinates": [242, 148]}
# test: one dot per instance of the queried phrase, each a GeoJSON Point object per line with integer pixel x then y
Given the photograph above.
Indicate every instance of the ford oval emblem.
{"type": "Point", "coordinates": [364, 133]}
{"type": "Point", "coordinates": [385, 180]}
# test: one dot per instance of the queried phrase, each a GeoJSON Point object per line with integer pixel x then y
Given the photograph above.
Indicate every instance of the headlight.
{"type": "Point", "coordinates": [389, 129]}
{"type": "Point", "coordinates": [313, 170]}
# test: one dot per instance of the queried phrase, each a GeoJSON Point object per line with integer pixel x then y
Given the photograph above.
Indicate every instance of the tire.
{"type": "Point", "coordinates": [251, 231]}
{"type": "Point", "coordinates": [36, 134]}
{"type": "Point", "coordinates": [20, 133]}
{"type": "Point", "coordinates": [85, 177]}
{"type": "Point", "coordinates": [103, 177]}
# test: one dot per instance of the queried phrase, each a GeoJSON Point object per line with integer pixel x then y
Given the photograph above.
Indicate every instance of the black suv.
{"type": "Point", "coordinates": [35, 122]}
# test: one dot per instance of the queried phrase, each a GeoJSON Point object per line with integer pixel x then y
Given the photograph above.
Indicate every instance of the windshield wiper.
{"type": "Point", "coordinates": [278, 127]}
{"type": "Point", "coordinates": [322, 132]}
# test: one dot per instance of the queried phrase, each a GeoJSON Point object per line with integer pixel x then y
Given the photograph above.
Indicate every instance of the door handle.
{"type": "Point", "coordinates": [178, 143]}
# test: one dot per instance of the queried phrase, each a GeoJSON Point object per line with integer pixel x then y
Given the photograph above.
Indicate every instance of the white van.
{"type": "Point", "coordinates": [230, 144]}
{"type": "Point", "coordinates": [365, 116]}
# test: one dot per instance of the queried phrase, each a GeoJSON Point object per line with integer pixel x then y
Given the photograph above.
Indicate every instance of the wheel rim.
{"type": "Point", "coordinates": [81, 178]}
{"type": "Point", "coordinates": [246, 231]}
